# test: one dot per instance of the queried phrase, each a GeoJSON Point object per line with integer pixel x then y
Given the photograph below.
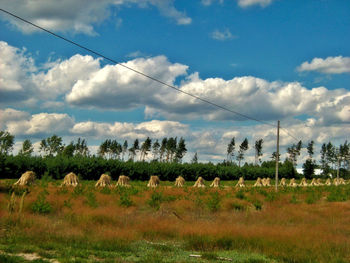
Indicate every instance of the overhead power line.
{"type": "Point", "coordinates": [145, 75]}
{"type": "Point", "coordinates": [136, 71]}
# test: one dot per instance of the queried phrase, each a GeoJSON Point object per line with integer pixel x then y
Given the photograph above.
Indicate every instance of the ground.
{"type": "Point", "coordinates": [49, 223]}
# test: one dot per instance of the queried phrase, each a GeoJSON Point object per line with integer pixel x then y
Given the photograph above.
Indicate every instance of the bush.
{"type": "Point", "coordinates": [125, 200]}
{"type": "Point", "coordinates": [41, 206]}
{"type": "Point", "coordinates": [155, 200]}
{"type": "Point", "coordinates": [213, 202]}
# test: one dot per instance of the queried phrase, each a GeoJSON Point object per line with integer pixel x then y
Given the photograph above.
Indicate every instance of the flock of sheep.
{"type": "Point", "coordinates": [105, 180]}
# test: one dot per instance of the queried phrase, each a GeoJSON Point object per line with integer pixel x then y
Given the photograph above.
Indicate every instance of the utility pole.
{"type": "Point", "coordinates": [277, 155]}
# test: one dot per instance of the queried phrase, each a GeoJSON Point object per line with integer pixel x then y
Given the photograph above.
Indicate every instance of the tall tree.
{"type": "Point", "coordinates": [242, 149]}
{"type": "Point", "coordinates": [163, 149]}
{"type": "Point", "coordinates": [155, 150]}
{"type": "Point", "coordinates": [231, 150]}
{"type": "Point", "coordinates": [6, 142]}
{"type": "Point", "coordinates": [258, 150]}
{"type": "Point", "coordinates": [324, 162]}
{"type": "Point", "coordinates": [81, 148]}
{"type": "Point", "coordinates": [115, 149]}
{"type": "Point", "coordinates": [125, 148]}
{"type": "Point", "coordinates": [309, 165]}
{"type": "Point", "coordinates": [310, 149]}
{"type": "Point", "coordinates": [180, 150]}
{"type": "Point", "coordinates": [171, 149]}
{"type": "Point", "coordinates": [195, 158]}
{"type": "Point", "coordinates": [51, 146]}
{"type": "Point", "coordinates": [274, 156]}
{"type": "Point", "coordinates": [69, 149]}
{"type": "Point", "coordinates": [294, 152]}
{"type": "Point", "coordinates": [134, 149]}
{"type": "Point", "coordinates": [27, 148]}
{"type": "Point", "coordinates": [145, 148]}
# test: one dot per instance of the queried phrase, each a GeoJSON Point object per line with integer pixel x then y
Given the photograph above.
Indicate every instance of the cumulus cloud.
{"type": "Point", "coordinates": [15, 68]}
{"type": "Point", "coordinates": [42, 123]}
{"type": "Point", "coordinates": [222, 35]}
{"type": "Point", "coordinates": [78, 16]}
{"type": "Point", "coordinates": [210, 142]}
{"type": "Point", "coordinates": [249, 3]}
{"type": "Point", "coordinates": [116, 87]}
{"type": "Point", "coordinates": [330, 65]}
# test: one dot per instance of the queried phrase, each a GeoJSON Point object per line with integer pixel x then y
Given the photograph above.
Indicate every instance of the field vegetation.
{"type": "Point", "coordinates": [168, 224]}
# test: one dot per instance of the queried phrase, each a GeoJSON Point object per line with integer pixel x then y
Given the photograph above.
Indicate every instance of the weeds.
{"type": "Point", "coordinates": [41, 206]}
{"type": "Point", "coordinates": [213, 202]}
{"type": "Point", "coordinates": [156, 200]}
{"type": "Point", "coordinates": [91, 199]}
{"type": "Point", "coordinates": [125, 200]}
{"type": "Point", "coordinates": [240, 195]}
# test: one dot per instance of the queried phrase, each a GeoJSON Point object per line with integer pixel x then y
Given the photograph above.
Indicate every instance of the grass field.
{"type": "Point", "coordinates": [84, 224]}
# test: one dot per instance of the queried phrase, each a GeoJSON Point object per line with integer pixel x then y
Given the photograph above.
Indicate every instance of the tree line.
{"type": "Point", "coordinates": [172, 150]}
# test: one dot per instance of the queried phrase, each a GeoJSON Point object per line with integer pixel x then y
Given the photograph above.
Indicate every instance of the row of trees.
{"type": "Point", "coordinates": [172, 149]}
{"type": "Point", "coordinates": [332, 157]}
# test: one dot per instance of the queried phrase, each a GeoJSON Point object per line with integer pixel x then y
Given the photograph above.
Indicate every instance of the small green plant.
{"type": "Point", "coordinates": [240, 195]}
{"type": "Point", "coordinates": [156, 200]}
{"type": "Point", "coordinates": [294, 199]}
{"type": "Point", "coordinates": [213, 202]}
{"type": "Point", "coordinates": [313, 197]}
{"type": "Point", "coordinates": [337, 195]}
{"type": "Point", "coordinates": [257, 204]}
{"type": "Point", "coordinates": [237, 206]}
{"type": "Point", "coordinates": [91, 199]}
{"type": "Point", "coordinates": [106, 191]}
{"type": "Point", "coordinates": [125, 200]}
{"type": "Point", "coordinates": [79, 190]}
{"type": "Point", "coordinates": [67, 203]}
{"type": "Point", "coordinates": [41, 206]}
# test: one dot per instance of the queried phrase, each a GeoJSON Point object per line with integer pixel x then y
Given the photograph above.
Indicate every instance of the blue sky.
{"type": "Point", "coordinates": [269, 59]}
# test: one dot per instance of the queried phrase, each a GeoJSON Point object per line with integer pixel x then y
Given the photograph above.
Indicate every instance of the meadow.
{"type": "Point", "coordinates": [167, 224]}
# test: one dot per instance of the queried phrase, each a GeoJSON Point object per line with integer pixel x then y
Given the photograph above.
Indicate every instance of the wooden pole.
{"type": "Point", "coordinates": [277, 155]}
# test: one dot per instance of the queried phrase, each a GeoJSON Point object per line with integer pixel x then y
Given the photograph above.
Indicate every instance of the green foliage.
{"type": "Point", "coordinates": [240, 194]}
{"type": "Point", "coordinates": [313, 196]}
{"type": "Point", "coordinates": [6, 142]}
{"type": "Point", "coordinates": [41, 206]}
{"type": "Point", "coordinates": [338, 194]}
{"type": "Point", "coordinates": [91, 199]}
{"type": "Point", "coordinates": [257, 204]}
{"type": "Point", "coordinates": [125, 199]}
{"type": "Point", "coordinates": [309, 168]}
{"type": "Point", "coordinates": [237, 206]}
{"type": "Point", "coordinates": [156, 200]}
{"type": "Point", "coordinates": [91, 167]}
{"type": "Point", "coordinates": [213, 202]}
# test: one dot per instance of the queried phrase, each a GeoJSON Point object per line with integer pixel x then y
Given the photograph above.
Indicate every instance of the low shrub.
{"type": "Point", "coordinates": [41, 206]}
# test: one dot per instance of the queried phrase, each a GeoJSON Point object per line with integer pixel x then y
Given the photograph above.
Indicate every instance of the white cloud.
{"type": "Point", "coordinates": [330, 65]}
{"type": "Point", "coordinates": [222, 35]}
{"type": "Point", "coordinates": [42, 123]}
{"type": "Point", "coordinates": [15, 68]}
{"type": "Point", "coordinates": [210, 142]}
{"type": "Point", "coordinates": [115, 87]}
{"type": "Point", "coordinates": [84, 83]}
{"type": "Point", "coordinates": [78, 16]}
{"type": "Point", "coordinates": [62, 75]}
{"type": "Point", "coordinates": [248, 3]}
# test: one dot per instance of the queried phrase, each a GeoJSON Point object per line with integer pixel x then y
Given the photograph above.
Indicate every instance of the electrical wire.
{"type": "Point", "coordinates": [145, 75]}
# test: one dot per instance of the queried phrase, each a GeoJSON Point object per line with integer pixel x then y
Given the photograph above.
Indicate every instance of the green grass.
{"type": "Point", "coordinates": [139, 251]}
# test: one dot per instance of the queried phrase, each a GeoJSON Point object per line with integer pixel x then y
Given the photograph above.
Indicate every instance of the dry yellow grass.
{"type": "Point", "coordinates": [281, 229]}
